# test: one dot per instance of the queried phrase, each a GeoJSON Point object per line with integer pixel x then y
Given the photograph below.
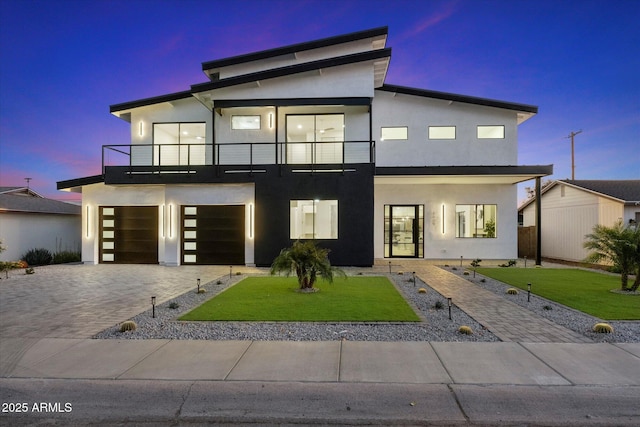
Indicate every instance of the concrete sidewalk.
{"type": "Point", "coordinates": [541, 364]}
{"type": "Point", "coordinates": [172, 382]}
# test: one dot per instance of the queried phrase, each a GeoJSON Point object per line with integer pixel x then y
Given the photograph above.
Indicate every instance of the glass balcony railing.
{"type": "Point", "coordinates": [150, 157]}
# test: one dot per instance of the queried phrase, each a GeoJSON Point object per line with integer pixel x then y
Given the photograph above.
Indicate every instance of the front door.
{"type": "Point", "coordinates": [403, 236]}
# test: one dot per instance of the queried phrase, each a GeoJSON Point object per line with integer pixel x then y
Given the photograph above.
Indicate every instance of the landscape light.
{"type": "Point", "coordinates": [528, 292]}
{"type": "Point", "coordinates": [153, 306]}
{"type": "Point", "coordinates": [449, 302]}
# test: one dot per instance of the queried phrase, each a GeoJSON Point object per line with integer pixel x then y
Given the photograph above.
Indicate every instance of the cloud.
{"type": "Point", "coordinates": [439, 15]}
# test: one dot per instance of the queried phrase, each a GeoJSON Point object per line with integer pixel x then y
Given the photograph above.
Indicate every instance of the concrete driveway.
{"type": "Point", "coordinates": [77, 301]}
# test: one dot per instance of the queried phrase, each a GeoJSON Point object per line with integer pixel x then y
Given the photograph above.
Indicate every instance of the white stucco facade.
{"type": "Point", "coordinates": [171, 197]}
{"type": "Point", "coordinates": [440, 241]}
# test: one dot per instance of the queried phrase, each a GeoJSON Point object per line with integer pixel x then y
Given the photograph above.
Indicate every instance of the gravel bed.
{"type": "Point", "coordinates": [435, 326]}
{"type": "Point", "coordinates": [623, 331]}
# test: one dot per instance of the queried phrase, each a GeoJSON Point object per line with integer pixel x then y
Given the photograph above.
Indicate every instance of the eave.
{"type": "Point", "coordinates": [524, 111]}
{"type": "Point", "coordinates": [210, 67]}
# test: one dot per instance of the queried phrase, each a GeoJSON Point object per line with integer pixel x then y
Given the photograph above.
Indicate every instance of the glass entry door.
{"type": "Point", "coordinates": [403, 236]}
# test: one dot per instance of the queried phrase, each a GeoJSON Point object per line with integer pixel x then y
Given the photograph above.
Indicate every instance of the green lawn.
{"type": "Point", "coordinates": [354, 299]}
{"type": "Point", "coordinates": [586, 291]}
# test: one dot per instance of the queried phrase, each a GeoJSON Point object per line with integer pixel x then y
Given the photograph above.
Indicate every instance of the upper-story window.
{"type": "Point", "coordinates": [491, 132]}
{"type": "Point", "coordinates": [245, 122]}
{"type": "Point", "coordinates": [315, 138]}
{"type": "Point", "coordinates": [394, 133]}
{"type": "Point", "coordinates": [442, 132]}
{"type": "Point", "coordinates": [179, 143]}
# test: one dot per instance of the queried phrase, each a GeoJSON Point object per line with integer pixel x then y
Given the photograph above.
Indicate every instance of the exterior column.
{"type": "Point", "coordinates": [538, 222]}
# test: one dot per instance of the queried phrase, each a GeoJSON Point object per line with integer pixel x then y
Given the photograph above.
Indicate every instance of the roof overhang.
{"type": "Point", "coordinates": [378, 38]}
{"type": "Point", "coordinates": [462, 175]}
{"type": "Point", "coordinates": [380, 59]}
{"type": "Point", "coordinates": [524, 111]}
{"type": "Point", "coordinates": [75, 185]}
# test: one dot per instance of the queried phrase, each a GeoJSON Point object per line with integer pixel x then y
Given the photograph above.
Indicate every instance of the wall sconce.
{"type": "Point", "coordinates": [153, 306]}
{"type": "Point", "coordinates": [88, 222]}
{"type": "Point", "coordinates": [141, 129]}
{"type": "Point", "coordinates": [270, 120]}
{"type": "Point", "coordinates": [170, 219]}
{"type": "Point", "coordinates": [251, 220]}
{"type": "Point", "coordinates": [443, 218]}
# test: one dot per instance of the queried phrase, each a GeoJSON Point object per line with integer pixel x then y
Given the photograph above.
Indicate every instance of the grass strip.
{"type": "Point", "coordinates": [354, 299]}
{"type": "Point", "coordinates": [586, 291]}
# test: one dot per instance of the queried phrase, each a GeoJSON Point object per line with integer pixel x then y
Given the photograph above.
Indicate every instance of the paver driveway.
{"type": "Point", "coordinates": [77, 301]}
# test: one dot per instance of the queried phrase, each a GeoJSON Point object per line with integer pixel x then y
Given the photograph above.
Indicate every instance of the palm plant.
{"type": "Point", "coordinates": [308, 261]}
{"type": "Point", "coordinates": [616, 245]}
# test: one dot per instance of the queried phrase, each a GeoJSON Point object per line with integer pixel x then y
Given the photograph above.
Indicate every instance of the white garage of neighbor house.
{"type": "Point", "coordinates": [571, 208]}
{"type": "Point", "coordinates": [28, 221]}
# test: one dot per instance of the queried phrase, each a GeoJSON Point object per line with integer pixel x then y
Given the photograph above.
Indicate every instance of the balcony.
{"type": "Point", "coordinates": [234, 158]}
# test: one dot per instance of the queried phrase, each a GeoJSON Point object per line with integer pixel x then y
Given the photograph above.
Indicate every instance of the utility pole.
{"type": "Point", "coordinates": [573, 161]}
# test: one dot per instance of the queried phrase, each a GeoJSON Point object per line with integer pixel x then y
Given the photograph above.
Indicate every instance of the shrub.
{"type": "Point", "coordinates": [422, 291]}
{"type": "Point", "coordinates": [29, 270]}
{"type": "Point", "coordinates": [174, 305]}
{"type": "Point", "coordinates": [64, 257]}
{"type": "Point", "coordinates": [219, 282]}
{"type": "Point", "coordinates": [201, 291]}
{"type": "Point", "coordinates": [38, 256]}
{"type": "Point", "coordinates": [602, 328]}
{"type": "Point", "coordinates": [483, 280]}
{"type": "Point", "coordinates": [129, 325]}
{"type": "Point", "coordinates": [438, 305]}
{"type": "Point", "coordinates": [512, 291]}
{"type": "Point", "coordinates": [466, 273]}
{"type": "Point", "coordinates": [510, 263]}
{"type": "Point", "coordinates": [547, 307]}
{"type": "Point", "coordinates": [465, 330]}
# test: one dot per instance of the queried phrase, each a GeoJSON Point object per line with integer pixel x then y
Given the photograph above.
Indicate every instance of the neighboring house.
{"type": "Point", "coordinates": [307, 142]}
{"type": "Point", "coordinates": [571, 208]}
{"type": "Point", "coordinates": [28, 221]}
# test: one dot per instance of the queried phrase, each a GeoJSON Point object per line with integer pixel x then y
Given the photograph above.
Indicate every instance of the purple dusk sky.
{"type": "Point", "coordinates": [63, 63]}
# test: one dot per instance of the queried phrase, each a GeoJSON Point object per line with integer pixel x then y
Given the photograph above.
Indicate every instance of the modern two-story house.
{"type": "Point", "coordinates": [307, 142]}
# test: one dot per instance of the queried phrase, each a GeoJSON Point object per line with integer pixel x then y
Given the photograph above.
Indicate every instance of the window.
{"type": "Point", "coordinates": [179, 143]}
{"type": "Point", "coordinates": [314, 219]}
{"type": "Point", "coordinates": [391, 133]}
{"type": "Point", "coordinates": [491, 132]}
{"type": "Point", "coordinates": [315, 138]}
{"type": "Point", "coordinates": [476, 221]}
{"type": "Point", "coordinates": [245, 122]}
{"type": "Point", "coordinates": [442, 132]}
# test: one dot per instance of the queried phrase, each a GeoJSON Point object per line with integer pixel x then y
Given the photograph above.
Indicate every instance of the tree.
{"type": "Point", "coordinates": [616, 245]}
{"type": "Point", "coordinates": [308, 261]}
{"type": "Point", "coordinates": [635, 240]}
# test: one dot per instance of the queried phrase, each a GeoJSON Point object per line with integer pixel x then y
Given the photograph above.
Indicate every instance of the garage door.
{"type": "Point", "coordinates": [129, 234]}
{"type": "Point", "coordinates": [213, 234]}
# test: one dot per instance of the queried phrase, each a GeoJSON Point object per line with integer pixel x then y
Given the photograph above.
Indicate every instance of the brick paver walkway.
{"type": "Point", "coordinates": [508, 321]}
{"type": "Point", "coordinates": [78, 301]}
